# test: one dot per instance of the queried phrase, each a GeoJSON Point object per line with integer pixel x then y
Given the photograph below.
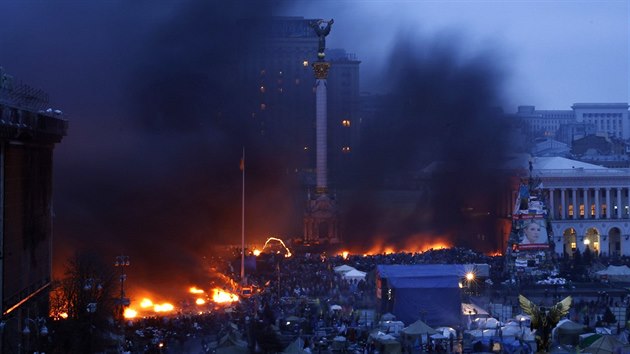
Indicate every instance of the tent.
{"type": "Point", "coordinates": [607, 344]}
{"type": "Point", "coordinates": [616, 273]}
{"type": "Point", "coordinates": [344, 269]}
{"type": "Point", "coordinates": [418, 328]}
{"type": "Point", "coordinates": [416, 333]}
{"type": "Point", "coordinates": [354, 274]}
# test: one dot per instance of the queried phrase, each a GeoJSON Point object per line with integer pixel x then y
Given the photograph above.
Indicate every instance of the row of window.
{"type": "Point", "coordinates": [570, 210]}
{"type": "Point", "coordinates": [602, 115]}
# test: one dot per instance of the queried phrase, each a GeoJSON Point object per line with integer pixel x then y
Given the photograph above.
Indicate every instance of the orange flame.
{"type": "Point", "coordinates": [194, 290]}
{"type": "Point", "coordinates": [221, 296]}
{"type": "Point", "coordinates": [200, 301]}
{"type": "Point", "coordinates": [130, 313]}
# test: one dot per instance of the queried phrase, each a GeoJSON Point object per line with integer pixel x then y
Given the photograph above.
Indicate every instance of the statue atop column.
{"type": "Point", "coordinates": [322, 29]}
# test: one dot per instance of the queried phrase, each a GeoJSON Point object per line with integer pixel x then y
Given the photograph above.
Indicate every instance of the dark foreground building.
{"type": "Point", "coordinates": [29, 131]}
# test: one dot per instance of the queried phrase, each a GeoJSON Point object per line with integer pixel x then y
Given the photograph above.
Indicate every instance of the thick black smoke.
{"type": "Point", "coordinates": [438, 132]}
{"type": "Point", "coordinates": [158, 117]}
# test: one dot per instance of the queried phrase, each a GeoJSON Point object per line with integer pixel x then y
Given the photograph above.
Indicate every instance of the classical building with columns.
{"type": "Point", "coordinates": [588, 205]}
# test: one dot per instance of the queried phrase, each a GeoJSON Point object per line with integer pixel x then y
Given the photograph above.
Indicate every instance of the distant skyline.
{"type": "Point", "coordinates": [553, 53]}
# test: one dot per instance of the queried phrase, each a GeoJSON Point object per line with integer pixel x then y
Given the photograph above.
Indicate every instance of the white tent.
{"type": "Point", "coordinates": [343, 269]}
{"type": "Point", "coordinates": [354, 274]}
{"type": "Point", "coordinates": [616, 273]}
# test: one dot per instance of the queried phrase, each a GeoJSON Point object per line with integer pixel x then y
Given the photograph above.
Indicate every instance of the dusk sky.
{"type": "Point", "coordinates": [142, 168]}
{"type": "Point", "coordinates": [555, 53]}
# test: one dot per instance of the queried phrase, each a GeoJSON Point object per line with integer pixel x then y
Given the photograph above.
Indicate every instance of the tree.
{"type": "Point", "coordinates": [609, 317]}
{"type": "Point", "coordinates": [83, 300]}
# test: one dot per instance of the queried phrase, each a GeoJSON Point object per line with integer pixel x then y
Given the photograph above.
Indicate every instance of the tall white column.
{"type": "Point", "coordinates": [552, 205]}
{"type": "Point", "coordinates": [587, 207]}
{"type": "Point", "coordinates": [563, 204]}
{"type": "Point", "coordinates": [608, 203]}
{"type": "Point", "coordinates": [574, 203]}
{"type": "Point", "coordinates": [598, 209]}
{"type": "Point", "coordinates": [619, 207]}
{"type": "Point", "coordinates": [321, 106]}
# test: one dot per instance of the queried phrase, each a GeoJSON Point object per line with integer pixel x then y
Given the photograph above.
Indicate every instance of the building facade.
{"type": "Point", "coordinates": [28, 134]}
{"type": "Point", "coordinates": [611, 119]}
{"type": "Point", "coordinates": [588, 205]}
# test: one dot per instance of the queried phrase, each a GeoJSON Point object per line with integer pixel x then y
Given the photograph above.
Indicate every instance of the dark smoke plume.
{"type": "Point", "coordinates": [439, 131]}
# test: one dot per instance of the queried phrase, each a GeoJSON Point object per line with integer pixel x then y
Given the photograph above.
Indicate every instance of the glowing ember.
{"type": "Point", "coordinates": [256, 252]}
{"type": "Point", "coordinates": [194, 290]}
{"type": "Point", "coordinates": [221, 296]}
{"type": "Point", "coordinates": [345, 254]}
{"type": "Point", "coordinates": [63, 315]}
{"type": "Point", "coordinates": [200, 301]}
{"type": "Point", "coordinates": [130, 313]}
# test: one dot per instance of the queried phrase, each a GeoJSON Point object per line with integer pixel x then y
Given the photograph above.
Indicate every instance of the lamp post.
{"type": "Point", "coordinates": [40, 330]}
{"type": "Point", "coordinates": [122, 262]}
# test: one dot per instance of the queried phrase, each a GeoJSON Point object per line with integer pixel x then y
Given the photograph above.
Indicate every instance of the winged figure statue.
{"type": "Point", "coordinates": [543, 320]}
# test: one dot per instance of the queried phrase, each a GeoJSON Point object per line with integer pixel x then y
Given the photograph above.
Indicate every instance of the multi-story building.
{"type": "Point", "coordinates": [588, 205]}
{"type": "Point", "coordinates": [278, 71]}
{"type": "Point", "coordinates": [28, 133]}
{"type": "Point", "coordinates": [583, 119]}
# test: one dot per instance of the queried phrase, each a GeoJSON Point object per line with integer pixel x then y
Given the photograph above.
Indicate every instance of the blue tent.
{"type": "Point", "coordinates": [429, 292]}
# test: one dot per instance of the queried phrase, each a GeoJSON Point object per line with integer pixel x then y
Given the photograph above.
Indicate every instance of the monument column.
{"type": "Point", "coordinates": [321, 106]}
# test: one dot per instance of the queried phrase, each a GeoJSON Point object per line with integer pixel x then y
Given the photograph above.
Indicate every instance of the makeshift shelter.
{"type": "Point", "coordinates": [416, 333]}
{"type": "Point", "coordinates": [607, 344]}
{"type": "Point", "coordinates": [568, 332]}
{"type": "Point", "coordinates": [616, 273]}
{"type": "Point", "coordinates": [344, 269]}
{"type": "Point", "coordinates": [354, 274]}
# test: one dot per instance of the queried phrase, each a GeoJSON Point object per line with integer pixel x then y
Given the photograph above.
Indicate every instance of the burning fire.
{"type": "Point", "coordinates": [345, 254]}
{"type": "Point", "coordinates": [130, 313]}
{"type": "Point", "coordinates": [221, 296]}
{"type": "Point", "coordinates": [416, 243]}
{"type": "Point", "coordinates": [194, 290]}
{"type": "Point", "coordinates": [256, 252]}
{"type": "Point", "coordinates": [147, 306]}
{"type": "Point", "coordinates": [200, 301]}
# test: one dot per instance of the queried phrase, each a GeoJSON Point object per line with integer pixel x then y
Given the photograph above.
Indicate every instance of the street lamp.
{"type": "Point", "coordinates": [122, 262]}
{"type": "Point", "coordinates": [41, 330]}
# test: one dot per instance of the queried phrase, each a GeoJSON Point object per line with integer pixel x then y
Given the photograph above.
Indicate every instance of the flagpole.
{"type": "Point", "coordinates": [243, 221]}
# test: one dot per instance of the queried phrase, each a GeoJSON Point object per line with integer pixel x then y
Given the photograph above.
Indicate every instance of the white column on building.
{"type": "Point", "coordinates": [587, 208]}
{"type": "Point", "coordinates": [608, 203]}
{"type": "Point", "coordinates": [619, 207]}
{"type": "Point", "coordinates": [574, 203]}
{"type": "Point", "coordinates": [563, 203]}
{"type": "Point", "coordinates": [552, 205]}
{"type": "Point", "coordinates": [598, 209]}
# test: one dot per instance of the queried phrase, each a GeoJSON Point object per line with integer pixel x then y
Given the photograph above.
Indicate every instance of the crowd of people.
{"type": "Point", "coordinates": [303, 297]}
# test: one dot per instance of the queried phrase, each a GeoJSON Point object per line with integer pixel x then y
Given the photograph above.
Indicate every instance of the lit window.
{"type": "Point", "coordinates": [263, 106]}
{"type": "Point", "coordinates": [262, 89]}
{"type": "Point", "coordinates": [570, 209]}
{"type": "Point", "coordinates": [345, 123]}
{"type": "Point", "coordinates": [593, 210]}
{"type": "Point", "coordinates": [581, 209]}
{"type": "Point", "coordinates": [305, 63]}
{"type": "Point", "coordinates": [573, 245]}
